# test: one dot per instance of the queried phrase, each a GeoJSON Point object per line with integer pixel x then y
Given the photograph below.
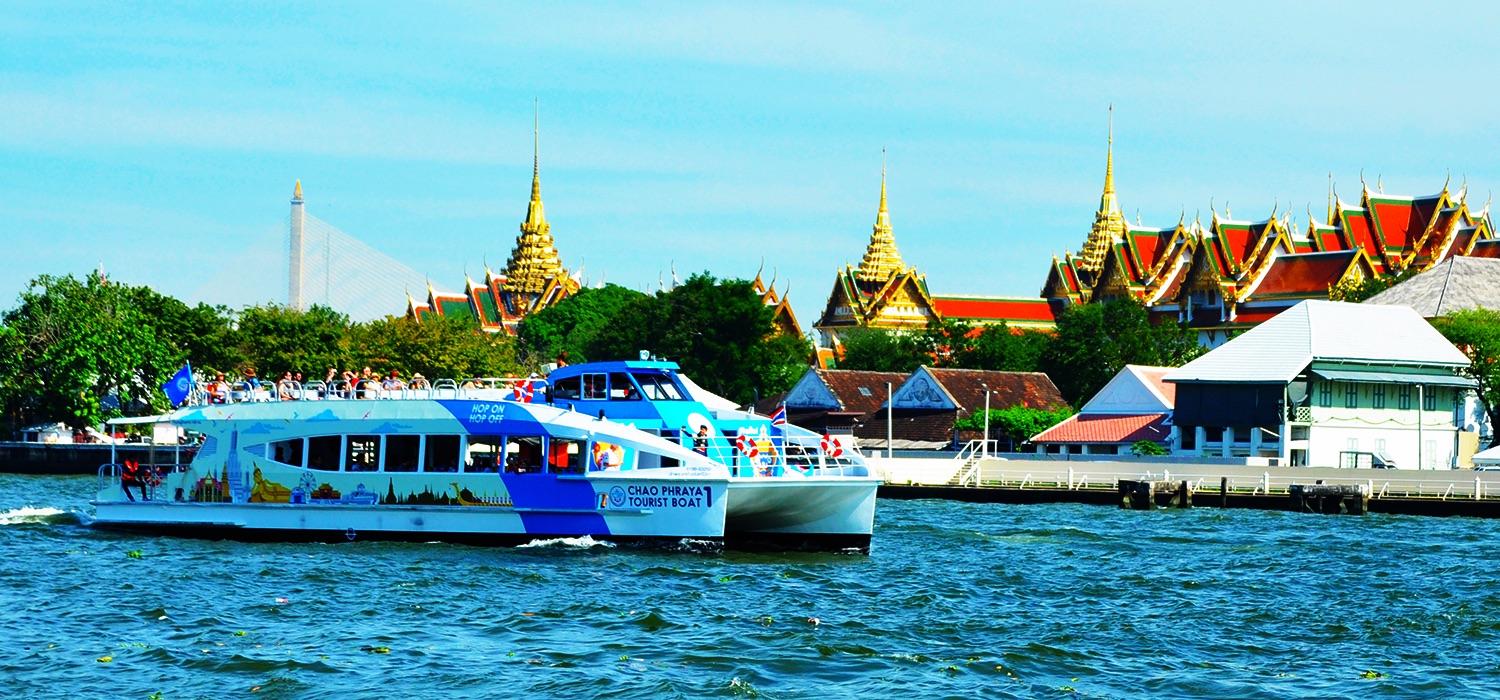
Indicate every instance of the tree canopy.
{"type": "Point", "coordinates": [719, 331]}
{"type": "Point", "coordinates": [78, 351]}
{"type": "Point", "coordinates": [1477, 333]}
{"type": "Point", "coordinates": [1095, 341]}
{"type": "Point", "coordinates": [568, 328]}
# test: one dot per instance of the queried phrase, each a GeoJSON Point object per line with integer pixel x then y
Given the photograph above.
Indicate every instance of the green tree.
{"type": "Point", "coordinates": [1095, 341]}
{"type": "Point", "coordinates": [1016, 423]}
{"type": "Point", "coordinates": [79, 351]}
{"type": "Point", "coordinates": [1147, 448]}
{"type": "Point", "coordinates": [570, 325]}
{"type": "Point", "coordinates": [204, 333]}
{"type": "Point", "coordinates": [1356, 291]}
{"type": "Point", "coordinates": [440, 347]}
{"type": "Point", "coordinates": [275, 339]}
{"type": "Point", "coordinates": [1477, 333]}
{"type": "Point", "coordinates": [881, 350]}
{"type": "Point", "coordinates": [719, 331]}
{"type": "Point", "coordinates": [1000, 348]}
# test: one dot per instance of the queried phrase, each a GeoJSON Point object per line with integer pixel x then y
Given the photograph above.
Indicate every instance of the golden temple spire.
{"type": "Point", "coordinates": [1109, 166]}
{"type": "Point", "coordinates": [882, 260]}
{"type": "Point", "coordinates": [534, 262]}
{"type": "Point", "coordinates": [1109, 223]}
{"type": "Point", "coordinates": [297, 192]}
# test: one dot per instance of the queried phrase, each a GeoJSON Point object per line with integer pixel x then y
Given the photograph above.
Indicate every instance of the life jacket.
{"type": "Point", "coordinates": [130, 472]}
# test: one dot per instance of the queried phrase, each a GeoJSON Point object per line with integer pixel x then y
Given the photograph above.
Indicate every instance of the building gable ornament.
{"type": "Point", "coordinates": [921, 391]}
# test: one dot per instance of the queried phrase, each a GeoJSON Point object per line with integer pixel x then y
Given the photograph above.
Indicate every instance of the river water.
{"type": "Point", "coordinates": [955, 600]}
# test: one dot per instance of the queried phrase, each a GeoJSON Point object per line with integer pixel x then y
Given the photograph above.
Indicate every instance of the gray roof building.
{"type": "Point", "coordinates": [1454, 284]}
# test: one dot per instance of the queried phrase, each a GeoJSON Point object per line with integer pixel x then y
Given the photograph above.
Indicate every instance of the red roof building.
{"type": "Point", "coordinates": [931, 400]}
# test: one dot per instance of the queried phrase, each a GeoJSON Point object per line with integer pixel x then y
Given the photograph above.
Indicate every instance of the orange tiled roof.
{"type": "Point", "coordinates": [1097, 428]}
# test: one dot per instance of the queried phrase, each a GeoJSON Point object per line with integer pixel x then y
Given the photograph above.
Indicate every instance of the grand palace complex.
{"type": "Point", "coordinates": [1228, 275]}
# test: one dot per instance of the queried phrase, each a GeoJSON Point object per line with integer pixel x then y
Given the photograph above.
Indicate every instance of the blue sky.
{"type": "Point", "coordinates": [164, 142]}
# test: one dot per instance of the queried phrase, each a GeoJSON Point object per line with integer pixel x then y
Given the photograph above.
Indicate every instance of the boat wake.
{"type": "Point", "coordinates": [585, 542]}
{"type": "Point", "coordinates": [38, 516]}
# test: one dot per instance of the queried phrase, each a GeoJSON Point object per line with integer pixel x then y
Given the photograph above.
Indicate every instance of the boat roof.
{"type": "Point", "coordinates": [614, 366]}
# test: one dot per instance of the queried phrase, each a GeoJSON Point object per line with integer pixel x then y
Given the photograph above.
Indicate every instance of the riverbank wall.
{"type": "Point", "coordinates": [1453, 492]}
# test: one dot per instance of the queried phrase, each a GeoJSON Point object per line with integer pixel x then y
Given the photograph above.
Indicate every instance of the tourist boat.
{"type": "Point", "coordinates": [630, 451]}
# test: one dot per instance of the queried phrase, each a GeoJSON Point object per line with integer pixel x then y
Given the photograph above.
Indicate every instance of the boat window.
{"type": "Point", "coordinates": [401, 452]}
{"type": "Point", "coordinates": [442, 454]}
{"type": "Point", "coordinates": [524, 455]}
{"type": "Point", "coordinates": [323, 452]}
{"type": "Point", "coordinates": [287, 452]}
{"type": "Point", "coordinates": [621, 388]}
{"type": "Point", "coordinates": [364, 453]}
{"type": "Point", "coordinates": [565, 388]}
{"type": "Point", "coordinates": [565, 456]}
{"type": "Point", "coordinates": [594, 388]}
{"type": "Point", "coordinates": [607, 456]}
{"type": "Point", "coordinates": [658, 387]}
{"type": "Point", "coordinates": [486, 454]}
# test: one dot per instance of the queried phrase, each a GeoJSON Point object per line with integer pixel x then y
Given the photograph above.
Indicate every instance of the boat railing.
{"type": "Point", "coordinates": [801, 452]}
{"type": "Point", "coordinates": [359, 389]}
{"type": "Point", "coordinates": [152, 476]}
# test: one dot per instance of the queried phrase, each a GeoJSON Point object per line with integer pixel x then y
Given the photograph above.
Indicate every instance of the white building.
{"type": "Point", "coordinates": [1326, 384]}
{"type": "Point", "coordinates": [1135, 405]}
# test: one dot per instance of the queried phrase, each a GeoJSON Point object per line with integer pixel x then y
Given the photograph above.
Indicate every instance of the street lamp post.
{"type": "Point", "coordinates": [888, 429]}
{"type": "Point", "coordinates": [984, 447]}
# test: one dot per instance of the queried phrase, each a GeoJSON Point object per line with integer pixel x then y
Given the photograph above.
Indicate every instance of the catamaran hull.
{"type": "Point", "coordinates": [484, 525]}
{"type": "Point", "coordinates": [813, 513]}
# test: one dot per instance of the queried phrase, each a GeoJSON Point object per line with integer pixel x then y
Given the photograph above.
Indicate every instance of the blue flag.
{"type": "Point", "coordinates": [180, 385]}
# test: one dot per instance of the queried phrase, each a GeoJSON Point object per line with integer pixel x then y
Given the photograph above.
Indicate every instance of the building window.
{"type": "Point", "coordinates": [1429, 400]}
{"type": "Point", "coordinates": [1380, 446]}
{"type": "Point", "coordinates": [1325, 394]}
{"type": "Point", "coordinates": [1378, 400]}
{"type": "Point", "coordinates": [1351, 396]}
{"type": "Point", "coordinates": [1403, 397]}
{"type": "Point", "coordinates": [1352, 444]}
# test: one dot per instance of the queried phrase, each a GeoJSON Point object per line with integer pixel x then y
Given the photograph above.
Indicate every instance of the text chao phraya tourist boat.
{"type": "Point", "coordinates": [617, 450]}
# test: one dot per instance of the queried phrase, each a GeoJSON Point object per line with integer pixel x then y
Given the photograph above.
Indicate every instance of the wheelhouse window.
{"type": "Point", "coordinates": [523, 454]}
{"type": "Point", "coordinates": [486, 454]}
{"type": "Point", "coordinates": [565, 388]}
{"type": "Point", "coordinates": [402, 452]}
{"type": "Point", "coordinates": [595, 387]}
{"type": "Point", "coordinates": [364, 453]}
{"type": "Point", "coordinates": [565, 456]}
{"type": "Point", "coordinates": [442, 454]}
{"type": "Point", "coordinates": [658, 387]}
{"type": "Point", "coordinates": [288, 452]}
{"type": "Point", "coordinates": [621, 388]}
{"type": "Point", "coordinates": [323, 452]}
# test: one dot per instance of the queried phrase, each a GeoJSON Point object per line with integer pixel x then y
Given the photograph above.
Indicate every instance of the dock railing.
{"type": "Point", "coordinates": [1444, 485]}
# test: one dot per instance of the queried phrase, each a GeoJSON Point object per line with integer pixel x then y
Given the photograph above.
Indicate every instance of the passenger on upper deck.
{"type": "Point", "coordinates": [252, 382]}
{"type": "Point", "coordinates": [218, 389]}
{"type": "Point", "coordinates": [419, 382]}
{"type": "Point", "coordinates": [393, 382]}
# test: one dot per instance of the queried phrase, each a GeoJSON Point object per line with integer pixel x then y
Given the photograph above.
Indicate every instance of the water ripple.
{"type": "Point", "coordinates": [956, 600]}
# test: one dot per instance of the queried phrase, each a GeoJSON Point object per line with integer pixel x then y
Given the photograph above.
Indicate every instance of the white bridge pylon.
{"type": "Point", "coordinates": [338, 271]}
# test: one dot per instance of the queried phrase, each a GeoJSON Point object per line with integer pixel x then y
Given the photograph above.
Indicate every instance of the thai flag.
{"type": "Point", "coordinates": [778, 419]}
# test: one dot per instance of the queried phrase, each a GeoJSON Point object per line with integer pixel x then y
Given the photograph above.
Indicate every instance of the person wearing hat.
{"type": "Point", "coordinates": [251, 381]}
